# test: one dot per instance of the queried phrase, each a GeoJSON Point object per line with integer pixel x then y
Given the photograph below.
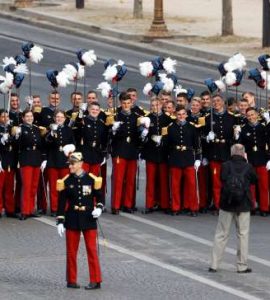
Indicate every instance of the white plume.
{"type": "Point", "coordinates": [36, 54]}
{"type": "Point", "coordinates": [229, 66]}
{"type": "Point", "coordinates": [62, 79]}
{"type": "Point", "coordinates": [263, 74]}
{"type": "Point", "coordinates": [146, 68]}
{"type": "Point", "coordinates": [147, 89]}
{"type": "Point", "coordinates": [221, 85]}
{"type": "Point", "coordinates": [7, 83]}
{"type": "Point", "coordinates": [89, 58]}
{"type": "Point", "coordinates": [238, 60]}
{"type": "Point", "coordinates": [81, 71]}
{"type": "Point", "coordinates": [110, 72]}
{"type": "Point", "coordinates": [266, 78]}
{"type": "Point", "coordinates": [120, 62]}
{"type": "Point", "coordinates": [105, 89]}
{"type": "Point", "coordinates": [70, 71]}
{"type": "Point", "coordinates": [22, 69]}
{"type": "Point", "coordinates": [268, 62]}
{"type": "Point", "coordinates": [8, 60]}
{"type": "Point", "coordinates": [168, 82]}
{"type": "Point", "coordinates": [169, 65]}
{"type": "Point", "coordinates": [68, 149]}
{"type": "Point", "coordinates": [230, 78]}
{"type": "Point", "coordinates": [179, 89]}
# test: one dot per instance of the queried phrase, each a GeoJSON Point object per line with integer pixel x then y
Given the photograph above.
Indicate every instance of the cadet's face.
{"type": "Point", "coordinates": [243, 106]}
{"type": "Point", "coordinates": [126, 105]}
{"type": "Point", "coordinates": [91, 97]}
{"type": "Point", "coordinates": [181, 101]}
{"type": "Point", "coordinates": [60, 118]}
{"type": "Point", "coordinates": [252, 116]}
{"type": "Point", "coordinates": [36, 102]}
{"type": "Point", "coordinates": [218, 103]}
{"type": "Point", "coordinates": [4, 118]}
{"type": "Point", "coordinates": [94, 111]}
{"type": "Point", "coordinates": [156, 106]}
{"type": "Point", "coordinates": [133, 97]}
{"type": "Point", "coordinates": [250, 99]}
{"type": "Point", "coordinates": [169, 108]}
{"type": "Point", "coordinates": [76, 100]}
{"type": "Point", "coordinates": [75, 167]}
{"type": "Point", "coordinates": [28, 118]}
{"type": "Point", "coordinates": [195, 107]}
{"type": "Point", "coordinates": [164, 99]}
{"type": "Point", "coordinates": [206, 101]}
{"type": "Point", "coordinates": [54, 99]}
{"type": "Point", "coordinates": [14, 103]}
{"type": "Point", "coordinates": [181, 115]}
{"type": "Point", "coordinates": [110, 102]}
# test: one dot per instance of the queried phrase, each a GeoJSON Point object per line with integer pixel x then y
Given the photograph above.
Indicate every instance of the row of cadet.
{"type": "Point", "coordinates": [183, 144]}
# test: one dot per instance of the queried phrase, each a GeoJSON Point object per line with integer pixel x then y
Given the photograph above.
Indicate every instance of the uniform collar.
{"type": "Point", "coordinates": [181, 123]}
{"type": "Point", "coordinates": [91, 118]}
{"type": "Point", "coordinates": [254, 125]}
{"type": "Point", "coordinates": [125, 113]}
{"type": "Point", "coordinates": [28, 125]}
{"type": "Point", "coordinates": [220, 113]}
{"type": "Point", "coordinates": [52, 107]}
{"type": "Point", "coordinates": [80, 176]}
{"type": "Point", "coordinates": [158, 114]}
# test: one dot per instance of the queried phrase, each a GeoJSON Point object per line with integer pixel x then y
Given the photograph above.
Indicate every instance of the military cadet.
{"type": "Point", "coordinates": [183, 143]}
{"type": "Point", "coordinates": [93, 139]}
{"type": "Point", "coordinates": [164, 98]}
{"type": "Point", "coordinates": [77, 191]}
{"type": "Point", "coordinates": [242, 107]}
{"type": "Point", "coordinates": [132, 92]}
{"type": "Point", "coordinates": [182, 100]}
{"type": "Point", "coordinates": [155, 154]}
{"type": "Point", "coordinates": [219, 136]}
{"type": "Point", "coordinates": [36, 109]}
{"type": "Point", "coordinates": [57, 138]}
{"type": "Point", "coordinates": [250, 97]}
{"type": "Point", "coordinates": [254, 137]}
{"type": "Point", "coordinates": [47, 112]}
{"type": "Point", "coordinates": [170, 108]}
{"type": "Point", "coordinates": [31, 158]}
{"type": "Point", "coordinates": [125, 142]}
{"type": "Point", "coordinates": [232, 105]}
{"type": "Point", "coordinates": [205, 102]}
{"type": "Point", "coordinates": [15, 114]}
{"type": "Point", "coordinates": [8, 165]}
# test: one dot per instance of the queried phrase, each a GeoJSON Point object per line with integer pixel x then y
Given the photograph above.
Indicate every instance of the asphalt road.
{"type": "Point", "coordinates": [147, 257]}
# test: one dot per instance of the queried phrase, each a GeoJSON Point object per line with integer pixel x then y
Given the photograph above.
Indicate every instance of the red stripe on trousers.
{"type": "Point", "coordinates": [72, 245]}
{"type": "Point", "coordinates": [7, 199]}
{"type": "Point", "coordinates": [157, 185]}
{"type": "Point", "coordinates": [203, 175]}
{"type": "Point", "coordinates": [215, 167]}
{"type": "Point", "coordinates": [123, 182]}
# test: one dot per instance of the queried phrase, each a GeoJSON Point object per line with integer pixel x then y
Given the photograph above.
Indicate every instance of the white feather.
{"type": "Point", "coordinates": [81, 71]}
{"type": "Point", "coordinates": [62, 79]}
{"type": "Point", "coordinates": [147, 89]}
{"type": "Point", "coordinates": [68, 149]}
{"type": "Point", "coordinates": [120, 62]}
{"type": "Point", "coordinates": [146, 68]}
{"type": "Point", "coordinates": [104, 88]}
{"type": "Point", "coordinates": [110, 73]}
{"type": "Point", "coordinates": [168, 85]}
{"type": "Point", "coordinates": [229, 66]}
{"type": "Point", "coordinates": [36, 54]}
{"type": "Point", "coordinates": [7, 84]}
{"type": "Point", "coordinates": [230, 78]}
{"type": "Point", "coordinates": [22, 69]}
{"type": "Point", "coordinates": [70, 71]}
{"type": "Point", "coordinates": [89, 58]}
{"type": "Point", "coordinates": [268, 62]}
{"type": "Point", "coordinates": [8, 60]}
{"type": "Point", "coordinates": [221, 85]}
{"type": "Point", "coordinates": [238, 60]}
{"type": "Point", "coordinates": [169, 65]}
{"type": "Point", "coordinates": [178, 89]}
{"type": "Point", "coordinates": [263, 74]}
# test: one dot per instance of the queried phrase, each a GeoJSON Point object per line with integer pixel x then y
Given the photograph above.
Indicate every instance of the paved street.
{"type": "Point", "coordinates": [147, 257]}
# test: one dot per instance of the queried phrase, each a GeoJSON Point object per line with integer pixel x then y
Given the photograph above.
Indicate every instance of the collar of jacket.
{"type": "Point", "coordinates": [126, 113]}
{"type": "Point", "coordinates": [81, 175]}
{"type": "Point", "coordinates": [181, 123]}
{"type": "Point", "coordinates": [28, 125]}
{"type": "Point", "coordinates": [91, 118]}
{"type": "Point", "coordinates": [219, 113]}
{"type": "Point", "coordinates": [238, 157]}
{"type": "Point", "coordinates": [254, 125]}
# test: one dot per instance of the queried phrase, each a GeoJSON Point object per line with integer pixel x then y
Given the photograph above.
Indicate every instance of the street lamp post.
{"type": "Point", "coordinates": [158, 28]}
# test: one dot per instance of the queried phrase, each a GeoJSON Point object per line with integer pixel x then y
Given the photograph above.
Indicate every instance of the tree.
{"type": "Point", "coordinates": [138, 9]}
{"type": "Point", "coordinates": [23, 3]}
{"type": "Point", "coordinates": [227, 18]}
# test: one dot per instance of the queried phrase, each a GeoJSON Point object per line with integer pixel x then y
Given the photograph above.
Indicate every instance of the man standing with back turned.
{"type": "Point", "coordinates": [235, 204]}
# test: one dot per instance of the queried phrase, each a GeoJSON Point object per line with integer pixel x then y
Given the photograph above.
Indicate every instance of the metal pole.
{"type": "Point", "coordinates": [266, 23]}
{"type": "Point", "coordinates": [79, 4]}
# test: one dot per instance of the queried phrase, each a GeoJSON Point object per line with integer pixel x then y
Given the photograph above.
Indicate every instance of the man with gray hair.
{"type": "Point", "coordinates": [235, 205]}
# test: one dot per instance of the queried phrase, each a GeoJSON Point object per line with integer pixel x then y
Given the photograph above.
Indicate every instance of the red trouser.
{"type": "Point", "coordinates": [72, 245]}
{"type": "Point", "coordinates": [262, 187]}
{"type": "Point", "coordinates": [18, 189]}
{"type": "Point", "coordinates": [7, 199]}
{"type": "Point", "coordinates": [203, 175]}
{"type": "Point", "coordinates": [157, 185]}
{"type": "Point", "coordinates": [104, 178]}
{"type": "Point", "coordinates": [190, 197]}
{"type": "Point", "coordinates": [42, 187]}
{"type": "Point", "coordinates": [215, 167]}
{"type": "Point", "coordinates": [30, 178]}
{"type": "Point", "coordinates": [92, 168]}
{"type": "Point", "coordinates": [123, 182]}
{"type": "Point", "coordinates": [53, 175]}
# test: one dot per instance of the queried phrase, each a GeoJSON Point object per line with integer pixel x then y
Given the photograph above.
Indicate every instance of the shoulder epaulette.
{"type": "Point", "coordinates": [173, 117]}
{"type": "Point", "coordinates": [201, 121]}
{"type": "Point", "coordinates": [97, 181]}
{"type": "Point", "coordinates": [109, 120]}
{"type": "Point", "coordinates": [164, 130]}
{"type": "Point", "coordinates": [101, 109]}
{"type": "Point", "coordinates": [60, 183]}
{"type": "Point", "coordinates": [42, 129]}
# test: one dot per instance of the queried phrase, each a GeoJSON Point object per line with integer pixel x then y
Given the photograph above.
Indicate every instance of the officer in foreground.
{"type": "Point", "coordinates": [81, 193]}
{"type": "Point", "coordinates": [235, 205]}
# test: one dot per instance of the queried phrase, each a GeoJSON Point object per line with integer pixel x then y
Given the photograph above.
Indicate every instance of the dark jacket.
{"type": "Point", "coordinates": [250, 176]}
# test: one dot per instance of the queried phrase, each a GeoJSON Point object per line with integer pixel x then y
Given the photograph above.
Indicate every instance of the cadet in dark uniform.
{"type": "Point", "coordinates": [77, 191]}
{"type": "Point", "coordinates": [15, 115]}
{"type": "Point", "coordinates": [155, 153]}
{"type": "Point", "coordinates": [183, 143]}
{"type": "Point", "coordinates": [206, 103]}
{"type": "Point", "coordinates": [93, 140]}
{"type": "Point", "coordinates": [31, 159]}
{"type": "Point", "coordinates": [58, 137]}
{"type": "Point", "coordinates": [220, 137]}
{"type": "Point", "coordinates": [8, 165]}
{"type": "Point", "coordinates": [254, 137]}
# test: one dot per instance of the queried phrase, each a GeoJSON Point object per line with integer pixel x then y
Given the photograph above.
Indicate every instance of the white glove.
{"type": "Point", "coordinates": [205, 161]}
{"type": "Point", "coordinates": [4, 138]}
{"type": "Point", "coordinates": [61, 229]}
{"type": "Point", "coordinates": [145, 121]}
{"type": "Point", "coordinates": [268, 165]}
{"type": "Point", "coordinates": [1, 168]}
{"type": "Point", "coordinates": [266, 116]}
{"type": "Point", "coordinates": [43, 165]}
{"type": "Point", "coordinates": [115, 126]}
{"type": "Point", "coordinates": [197, 164]}
{"type": "Point", "coordinates": [83, 108]}
{"type": "Point", "coordinates": [210, 137]}
{"type": "Point", "coordinates": [29, 100]}
{"type": "Point", "coordinates": [53, 128]}
{"type": "Point", "coordinates": [144, 133]}
{"type": "Point", "coordinates": [237, 130]}
{"type": "Point", "coordinates": [18, 132]}
{"type": "Point", "coordinates": [96, 213]}
{"type": "Point", "coordinates": [156, 139]}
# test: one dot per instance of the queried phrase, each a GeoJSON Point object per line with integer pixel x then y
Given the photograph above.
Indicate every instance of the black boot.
{"type": "Point", "coordinates": [93, 286]}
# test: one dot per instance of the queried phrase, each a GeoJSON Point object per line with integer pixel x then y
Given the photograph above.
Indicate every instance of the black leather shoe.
{"type": "Point", "coordinates": [174, 213]}
{"type": "Point", "coordinates": [211, 270]}
{"type": "Point", "coordinates": [248, 270]}
{"type": "Point", "coordinates": [193, 214]}
{"type": "Point", "coordinates": [22, 217]}
{"type": "Point", "coordinates": [128, 210]}
{"type": "Point", "coordinates": [147, 211]}
{"type": "Point", "coordinates": [11, 215]}
{"type": "Point", "coordinates": [73, 285]}
{"type": "Point", "coordinates": [263, 214]}
{"type": "Point", "coordinates": [53, 214]}
{"type": "Point", "coordinates": [93, 286]}
{"type": "Point", "coordinates": [115, 211]}
{"type": "Point", "coordinates": [35, 215]}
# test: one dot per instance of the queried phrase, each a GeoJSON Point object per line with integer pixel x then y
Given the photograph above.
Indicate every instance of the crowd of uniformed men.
{"type": "Point", "coordinates": [183, 144]}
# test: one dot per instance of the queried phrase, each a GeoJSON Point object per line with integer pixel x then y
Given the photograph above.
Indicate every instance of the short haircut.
{"type": "Point", "coordinates": [231, 101]}
{"type": "Point", "coordinates": [76, 93]}
{"type": "Point", "coordinates": [130, 90]}
{"type": "Point", "coordinates": [124, 96]}
{"type": "Point", "coordinates": [26, 111]}
{"type": "Point", "coordinates": [250, 109]}
{"type": "Point", "coordinates": [2, 111]}
{"type": "Point", "coordinates": [218, 96]}
{"type": "Point", "coordinates": [172, 102]}
{"type": "Point", "coordinates": [14, 95]}
{"type": "Point", "coordinates": [165, 93]}
{"type": "Point", "coordinates": [95, 103]}
{"type": "Point", "coordinates": [243, 100]}
{"type": "Point", "coordinates": [183, 95]}
{"type": "Point", "coordinates": [36, 96]}
{"type": "Point", "coordinates": [238, 149]}
{"type": "Point", "coordinates": [180, 107]}
{"type": "Point", "coordinates": [205, 93]}
{"type": "Point", "coordinates": [57, 111]}
{"type": "Point", "coordinates": [91, 92]}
